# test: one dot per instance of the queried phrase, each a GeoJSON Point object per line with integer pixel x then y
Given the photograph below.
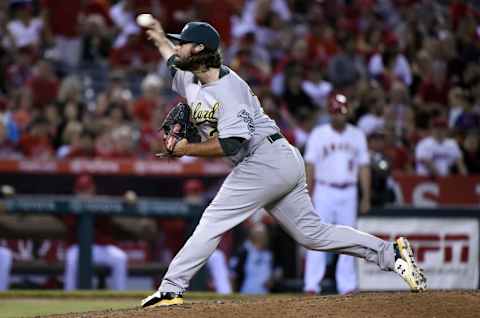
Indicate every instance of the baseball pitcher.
{"type": "Point", "coordinates": [268, 171]}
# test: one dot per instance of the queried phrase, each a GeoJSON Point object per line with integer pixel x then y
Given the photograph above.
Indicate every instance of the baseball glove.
{"type": "Point", "coordinates": [176, 126]}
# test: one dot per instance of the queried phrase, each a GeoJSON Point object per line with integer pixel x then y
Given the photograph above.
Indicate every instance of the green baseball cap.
{"type": "Point", "coordinates": [198, 32]}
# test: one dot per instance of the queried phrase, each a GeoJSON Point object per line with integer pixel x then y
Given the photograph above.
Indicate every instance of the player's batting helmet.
{"type": "Point", "coordinates": [337, 104]}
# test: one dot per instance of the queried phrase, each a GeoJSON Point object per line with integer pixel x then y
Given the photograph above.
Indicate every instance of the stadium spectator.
{"type": "Point", "coordinates": [471, 152]}
{"type": "Point", "coordinates": [18, 72]}
{"type": "Point", "coordinates": [390, 64]}
{"type": "Point", "coordinates": [322, 44]}
{"type": "Point", "coordinates": [8, 133]}
{"type": "Point", "coordinates": [43, 85]}
{"type": "Point", "coordinates": [70, 137]}
{"type": "Point", "coordinates": [152, 98]}
{"type": "Point", "coordinates": [316, 86]}
{"type": "Point", "coordinates": [346, 67]}
{"type": "Point", "coordinates": [27, 31]}
{"type": "Point", "coordinates": [297, 101]}
{"type": "Point", "coordinates": [37, 142]}
{"type": "Point", "coordinates": [95, 41]}
{"type": "Point", "coordinates": [123, 17]}
{"type": "Point", "coordinates": [64, 24]}
{"type": "Point", "coordinates": [380, 167]}
{"type": "Point", "coordinates": [373, 119]}
{"type": "Point", "coordinates": [433, 92]}
{"type": "Point", "coordinates": [436, 154]}
{"type": "Point", "coordinates": [6, 259]}
{"type": "Point", "coordinates": [468, 119]}
{"type": "Point", "coordinates": [399, 113]}
{"type": "Point", "coordinates": [104, 252]}
{"type": "Point", "coordinates": [132, 55]}
{"type": "Point", "coordinates": [398, 151]}
{"type": "Point", "coordinates": [8, 149]}
{"type": "Point", "coordinates": [6, 38]}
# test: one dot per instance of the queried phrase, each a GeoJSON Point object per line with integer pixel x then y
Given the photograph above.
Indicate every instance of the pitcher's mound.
{"type": "Point", "coordinates": [452, 304]}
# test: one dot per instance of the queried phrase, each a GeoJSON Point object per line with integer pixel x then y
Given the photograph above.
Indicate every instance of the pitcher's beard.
{"type": "Point", "coordinates": [187, 64]}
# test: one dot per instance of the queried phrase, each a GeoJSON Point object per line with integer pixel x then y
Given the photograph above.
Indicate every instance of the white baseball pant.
{"type": "Point", "coordinates": [334, 206]}
{"type": "Point", "coordinates": [108, 255]}
{"type": "Point", "coordinates": [6, 259]}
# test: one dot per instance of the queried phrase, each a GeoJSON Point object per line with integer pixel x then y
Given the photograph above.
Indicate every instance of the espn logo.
{"type": "Point", "coordinates": [454, 246]}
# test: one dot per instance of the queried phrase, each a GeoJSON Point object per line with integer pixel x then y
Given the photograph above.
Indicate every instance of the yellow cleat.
{"type": "Point", "coordinates": [406, 266]}
{"type": "Point", "coordinates": [159, 299]}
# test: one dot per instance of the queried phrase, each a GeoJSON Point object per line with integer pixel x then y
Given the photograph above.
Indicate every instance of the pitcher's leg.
{"type": "Point", "coordinates": [296, 214]}
{"type": "Point", "coordinates": [204, 240]}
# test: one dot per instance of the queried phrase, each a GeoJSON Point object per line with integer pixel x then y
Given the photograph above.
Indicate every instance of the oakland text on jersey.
{"type": "Point", "coordinates": [200, 115]}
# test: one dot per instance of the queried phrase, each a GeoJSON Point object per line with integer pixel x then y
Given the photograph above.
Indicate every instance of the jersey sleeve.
{"type": "Point", "coordinates": [422, 152]}
{"type": "Point", "coordinates": [235, 120]}
{"type": "Point", "coordinates": [180, 79]}
{"type": "Point", "coordinates": [363, 155]}
{"type": "Point", "coordinates": [312, 148]}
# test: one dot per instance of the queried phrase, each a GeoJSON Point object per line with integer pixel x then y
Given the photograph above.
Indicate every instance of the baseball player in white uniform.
{"type": "Point", "coordinates": [268, 171]}
{"type": "Point", "coordinates": [336, 157]}
{"type": "Point", "coordinates": [436, 154]}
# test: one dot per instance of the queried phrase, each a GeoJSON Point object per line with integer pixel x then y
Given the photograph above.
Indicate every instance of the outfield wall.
{"type": "Point", "coordinates": [446, 244]}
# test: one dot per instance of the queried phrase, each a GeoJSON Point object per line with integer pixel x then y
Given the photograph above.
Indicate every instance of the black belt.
{"type": "Point", "coordinates": [337, 185]}
{"type": "Point", "coordinates": [274, 137]}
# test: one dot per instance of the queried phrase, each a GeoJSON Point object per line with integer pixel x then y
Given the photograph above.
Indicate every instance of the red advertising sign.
{"type": "Point", "coordinates": [428, 192]}
{"type": "Point", "coordinates": [118, 167]}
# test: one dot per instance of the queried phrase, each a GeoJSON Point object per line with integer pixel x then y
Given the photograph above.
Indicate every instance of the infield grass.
{"type": "Point", "coordinates": [18, 303]}
{"type": "Point", "coordinates": [14, 308]}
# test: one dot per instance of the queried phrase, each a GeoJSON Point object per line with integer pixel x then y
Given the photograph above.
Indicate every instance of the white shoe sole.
{"type": "Point", "coordinates": [407, 268]}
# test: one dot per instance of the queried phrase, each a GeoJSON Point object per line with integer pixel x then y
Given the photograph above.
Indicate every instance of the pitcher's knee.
{"type": "Point", "coordinates": [307, 241]}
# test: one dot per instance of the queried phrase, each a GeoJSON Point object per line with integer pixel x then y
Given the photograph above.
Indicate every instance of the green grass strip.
{"type": "Point", "coordinates": [89, 294]}
{"type": "Point", "coordinates": [16, 308]}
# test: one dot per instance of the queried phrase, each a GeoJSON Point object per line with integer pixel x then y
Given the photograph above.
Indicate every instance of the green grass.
{"type": "Point", "coordinates": [13, 308]}
{"type": "Point", "coordinates": [32, 303]}
{"type": "Point", "coordinates": [89, 294]}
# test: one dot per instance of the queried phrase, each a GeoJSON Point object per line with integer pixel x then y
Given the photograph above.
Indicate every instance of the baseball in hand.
{"type": "Point", "coordinates": [145, 20]}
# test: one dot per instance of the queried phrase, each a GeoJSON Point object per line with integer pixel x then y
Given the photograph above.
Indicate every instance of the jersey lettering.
{"type": "Point", "coordinates": [201, 115]}
{"type": "Point", "coordinates": [343, 147]}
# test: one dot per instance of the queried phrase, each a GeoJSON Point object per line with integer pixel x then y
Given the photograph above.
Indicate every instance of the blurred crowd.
{"type": "Point", "coordinates": [84, 81]}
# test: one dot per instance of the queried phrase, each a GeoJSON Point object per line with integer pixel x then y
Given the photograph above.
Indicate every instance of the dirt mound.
{"type": "Point", "coordinates": [452, 304]}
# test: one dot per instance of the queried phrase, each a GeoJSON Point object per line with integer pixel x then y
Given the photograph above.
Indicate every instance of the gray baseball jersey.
{"type": "Point", "coordinates": [271, 177]}
{"type": "Point", "coordinates": [226, 107]}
